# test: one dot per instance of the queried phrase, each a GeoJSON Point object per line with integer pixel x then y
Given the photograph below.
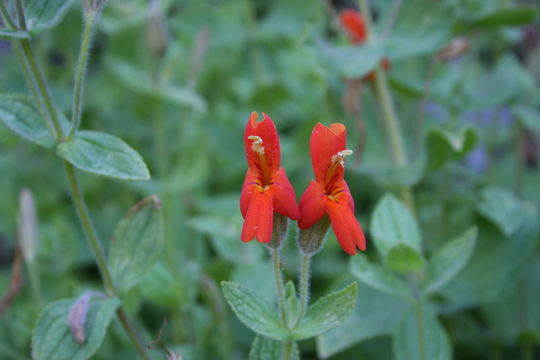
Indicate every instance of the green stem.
{"type": "Point", "coordinates": [80, 72]}
{"type": "Point", "coordinates": [130, 329]}
{"type": "Point", "coordinates": [88, 228]}
{"type": "Point", "coordinates": [7, 17]}
{"type": "Point", "coordinates": [390, 119]}
{"type": "Point", "coordinates": [304, 286]}
{"type": "Point", "coordinates": [279, 284]}
{"type": "Point", "coordinates": [420, 330]}
{"type": "Point", "coordinates": [287, 350]}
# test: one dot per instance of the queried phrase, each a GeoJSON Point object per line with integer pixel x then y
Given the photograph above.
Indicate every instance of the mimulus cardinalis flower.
{"type": "Point", "coordinates": [329, 194]}
{"type": "Point", "coordinates": [353, 22]}
{"type": "Point", "coordinates": [266, 187]}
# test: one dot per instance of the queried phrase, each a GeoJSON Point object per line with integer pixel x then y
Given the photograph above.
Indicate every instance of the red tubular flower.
{"type": "Point", "coordinates": [266, 187]}
{"type": "Point", "coordinates": [353, 22]}
{"type": "Point", "coordinates": [329, 193]}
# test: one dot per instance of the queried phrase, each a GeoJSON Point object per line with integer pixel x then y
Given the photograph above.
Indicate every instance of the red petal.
{"type": "Point", "coordinates": [326, 142]}
{"type": "Point", "coordinates": [259, 218]}
{"type": "Point", "coordinates": [249, 186]}
{"type": "Point", "coordinates": [284, 196]}
{"type": "Point", "coordinates": [266, 130]}
{"type": "Point", "coordinates": [346, 227]}
{"type": "Point", "coordinates": [312, 205]}
{"type": "Point", "coordinates": [353, 22]}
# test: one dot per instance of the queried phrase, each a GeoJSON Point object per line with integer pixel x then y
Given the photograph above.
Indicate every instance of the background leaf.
{"type": "Point", "coordinates": [52, 338]}
{"type": "Point", "coordinates": [137, 243]}
{"type": "Point", "coordinates": [264, 348]}
{"type": "Point", "coordinates": [501, 207]}
{"type": "Point", "coordinates": [103, 154]}
{"type": "Point", "coordinates": [43, 14]}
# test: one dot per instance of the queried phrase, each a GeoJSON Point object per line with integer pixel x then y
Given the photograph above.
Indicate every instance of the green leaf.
{"type": "Point", "coordinates": [408, 337]}
{"type": "Point", "coordinates": [254, 312]}
{"type": "Point", "coordinates": [375, 314]}
{"type": "Point", "coordinates": [448, 261]}
{"type": "Point", "coordinates": [443, 145]}
{"type": "Point", "coordinates": [138, 81]}
{"type": "Point", "coordinates": [7, 34]}
{"type": "Point", "coordinates": [529, 116]}
{"type": "Point", "coordinates": [20, 115]}
{"type": "Point", "coordinates": [502, 208]}
{"type": "Point", "coordinates": [137, 243]}
{"type": "Point", "coordinates": [103, 154]}
{"type": "Point", "coordinates": [327, 313]}
{"type": "Point", "coordinates": [350, 61]}
{"type": "Point", "coordinates": [515, 16]}
{"type": "Point", "coordinates": [52, 338]}
{"type": "Point", "coordinates": [378, 277]}
{"type": "Point", "coordinates": [43, 14]}
{"type": "Point", "coordinates": [264, 348]}
{"type": "Point", "coordinates": [396, 235]}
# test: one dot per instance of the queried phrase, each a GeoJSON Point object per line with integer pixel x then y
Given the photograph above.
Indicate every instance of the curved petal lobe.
{"type": "Point", "coordinates": [284, 196]}
{"type": "Point", "coordinates": [325, 142]}
{"type": "Point", "coordinates": [347, 229]}
{"type": "Point", "coordinates": [266, 130]}
{"type": "Point", "coordinates": [259, 218]}
{"type": "Point", "coordinates": [312, 205]}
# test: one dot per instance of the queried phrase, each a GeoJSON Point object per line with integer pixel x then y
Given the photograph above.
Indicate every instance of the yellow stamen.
{"type": "Point", "coordinates": [257, 147]}
{"type": "Point", "coordinates": [337, 160]}
{"type": "Point", "coordinates": [257, 144]}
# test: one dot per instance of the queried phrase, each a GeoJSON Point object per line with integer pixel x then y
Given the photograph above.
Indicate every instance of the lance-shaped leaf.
{"type": "Point", "coordinates": [443, 145]}
{"type": "Point", "coordinates": [378, 277]}
{"type": "Point", "coordinates": [137, 243]}
{"type": "Point", "coordinates": [53, 339]}
{"type": "Point", "coordinates": [448, 261]}
{"type": "Point", "coordinates": [21, 116]}
{"type": "Point", "coordinates": [103, 154]}
{"type": "Point", "coordinates": [424, 340]}
{"type": "Point", "coordinates": [327, 313]}
{"type": "Point", "coordinates": [254, 312]}
{"type": "Point", "coordinates": [264, 348]}
{"type": "Point", "coordinates": [396, 235]}
{"type": "Point", "coordinates": [43, 14]}
{"type": "Point", "coordinates": [502, 208]}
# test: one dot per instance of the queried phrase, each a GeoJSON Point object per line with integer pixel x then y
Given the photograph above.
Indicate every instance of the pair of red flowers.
{"type": "Point", "coordinates": [267, 189]}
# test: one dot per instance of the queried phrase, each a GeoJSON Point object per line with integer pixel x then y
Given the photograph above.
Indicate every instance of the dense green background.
{"type": "Point", "coordinates": [178, 85]}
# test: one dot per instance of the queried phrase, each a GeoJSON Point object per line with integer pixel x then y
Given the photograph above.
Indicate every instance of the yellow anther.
{"type": "Point", "coordinates": [339, 158]}
{"type": "Point", "coordinates": [257, 144]}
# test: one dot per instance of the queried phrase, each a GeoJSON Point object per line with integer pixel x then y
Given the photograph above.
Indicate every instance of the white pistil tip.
{"type": "Point", "coordinates": [257, 144]}
{"type": "Point", "coordinates": [340, 157]}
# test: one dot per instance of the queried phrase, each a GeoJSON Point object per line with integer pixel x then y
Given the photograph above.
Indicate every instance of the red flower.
{"type": "Point", "coordinates": [266, 187]}
{"type": "Point", "coordinates": [353, 22]}
{"type": "Point", "coordinates": [329, 193]}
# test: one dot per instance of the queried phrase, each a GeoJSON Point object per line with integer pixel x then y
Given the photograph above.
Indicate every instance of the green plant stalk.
{"type": "Point", "coordinates": [38, 86]}
{"type": "Point", "coordinates": [35, 283]}
{"type": "Point", "coordinates": [80, 72]}
{"type": "Point", "coordinates": [420, 330]}
{"type": "Point", "coordinates": [304, 286]}
{"type": "Point", "coordinates": [390, 120]}
{"type": "Point", "coordinates": [287, 350]}
{"type": "Point", "coordinates": [5, 14]}
{"type": "Point", "coordinates": [276, 261]}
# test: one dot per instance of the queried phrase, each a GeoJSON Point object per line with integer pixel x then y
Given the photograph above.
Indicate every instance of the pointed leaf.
{"type": "Point", "coordinates": [396, 235]}
{"type": "Point", "coordinates": [378, 277]}
{"type": "Point", "coordinates": [52, 338]}
{"type": "Point", "coordinates": [43, 14]}
{"type": "Point", "coordinates": [502, 208]}
{"type": "Point", "coordinates": [137, 243]}
{"type": "Point", "coordinates": [448, 261]}
{"type": "Point", "coordinates": [264, 348]}
{"type": "Point", "coordinates": [408, 340]}
{"type": "Point", "coordinates": [254, 312]}
{"type": "Point", "coordinates": [103, 154]}
{"type": "Point", "coordinates": [20, 115]}
{"type": "Point", "coordinates": [529, 116]}
{"type": "Point", "coordinates": [443, 145]}
{"type": "Point", "coordinates": [327, 313]}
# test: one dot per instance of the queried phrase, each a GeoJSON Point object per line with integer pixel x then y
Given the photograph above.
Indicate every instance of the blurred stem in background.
{"type": "Point", "coordinates": [390, 120]}
{"type": "Point", "coordinates": [37, 83]}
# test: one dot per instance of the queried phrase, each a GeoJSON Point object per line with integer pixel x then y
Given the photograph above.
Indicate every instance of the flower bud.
{"type": "Point", "coordinates": [27, 226]}
{"type": "Point", "coordinates": [279, 231]}
{"type": "Point", "coordinates": [311, 240]}
{"type": "Point", "coordinates": [94, 6]}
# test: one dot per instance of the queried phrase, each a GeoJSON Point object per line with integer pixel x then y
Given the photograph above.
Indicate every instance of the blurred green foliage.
{"type": "Point", "coordinates": [176, 80]}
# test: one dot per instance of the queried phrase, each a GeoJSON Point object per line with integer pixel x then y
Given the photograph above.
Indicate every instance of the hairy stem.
{"type": "Point", "coordinates": [420, 330]}
{"type": "Point", "coordinates": [304, 286]}
{"type": "Point", "coordinates": [80, 72]}
{"type": "Point", "coordinates": [279, 283]}
{"type": "Point", "coordinates": [287, 350]}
